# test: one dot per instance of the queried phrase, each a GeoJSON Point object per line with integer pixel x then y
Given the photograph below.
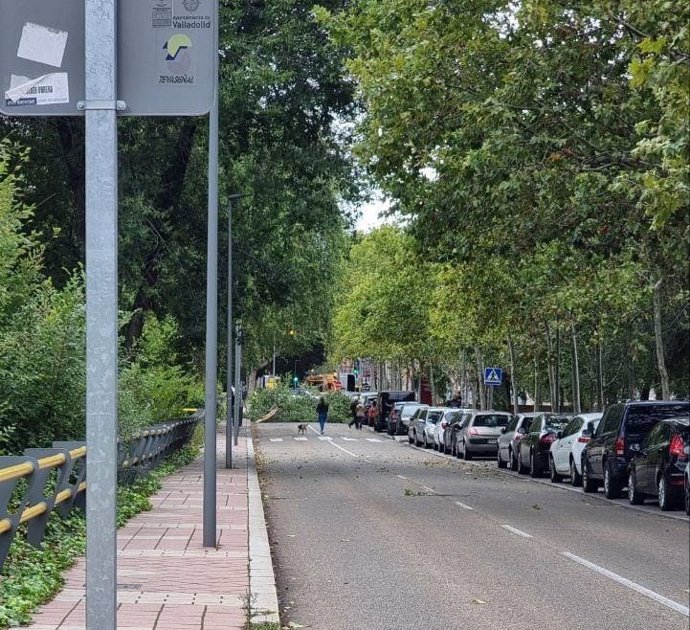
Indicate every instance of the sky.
{"type": "Point", "coordinates": [369, 218]}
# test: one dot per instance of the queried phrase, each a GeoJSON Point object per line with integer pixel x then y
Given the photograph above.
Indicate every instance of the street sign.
{"type": "Point", "coordinates": [493, 376]}
{"type": "Point", "coordinates": [166, 52]}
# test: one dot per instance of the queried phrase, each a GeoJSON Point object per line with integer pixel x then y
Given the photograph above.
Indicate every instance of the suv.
{"type": "Point", "coordinates": [385, 402]}
{"type": "Point", "coordinates": [618, 436]}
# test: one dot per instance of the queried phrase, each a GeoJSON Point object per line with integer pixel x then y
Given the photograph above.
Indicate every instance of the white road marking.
{"type": "Point", "coordinates": [347, 439]}
{"type": "Point", "coordinates": [463, 506]}
{"type": "Point", "coordinates": [301, 439]}
{"type": "Point", "coordinates": [276, 439]}
{"type": "Point", "coordinates": [327, 438]}
{"type": "Point", "coordinates": [402, 477]}
{"type": "Point", "coordinates": [373, 440]}
{"type": "Point", "coordinates": [517, 532]}
{"type": "Point", "coordinates": [683, 610]}
{"type": "Point", "coordinates": [428, 489]}
{"type": "Point", "coordinates": [330, 441]}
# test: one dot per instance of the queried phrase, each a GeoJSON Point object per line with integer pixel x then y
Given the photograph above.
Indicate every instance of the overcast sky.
{"type": "Point", "coordinates": [369, 218]}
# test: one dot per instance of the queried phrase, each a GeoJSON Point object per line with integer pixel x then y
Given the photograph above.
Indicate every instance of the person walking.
{"type": "Point", "coordinates": [353, 413]}
{"type": "Point", "coordinates": [322, 412]}
{"type": "Point", "coordinates": [373, 414]}
{"type": "Point", "coordinates": [360, 414]}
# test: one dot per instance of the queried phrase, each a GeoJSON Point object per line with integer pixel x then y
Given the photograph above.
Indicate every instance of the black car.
{"type": "Point", "coordinates": [533, 448]}
{"type": "Point", "coordinates": [657, 468]}
{"type": "Point", "coordinates": [618, 436]}
{"type": "Point", "coordinates": [385, 402]}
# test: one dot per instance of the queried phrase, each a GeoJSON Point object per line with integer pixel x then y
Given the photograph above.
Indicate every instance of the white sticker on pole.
{"type": "Point", "coordinates": [42, 44]}
{"type": "Point", "coordinates": [48, 89]}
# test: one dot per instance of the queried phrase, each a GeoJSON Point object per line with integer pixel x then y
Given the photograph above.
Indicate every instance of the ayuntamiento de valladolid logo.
{"type": "Point", "coordinates": [191, 5]}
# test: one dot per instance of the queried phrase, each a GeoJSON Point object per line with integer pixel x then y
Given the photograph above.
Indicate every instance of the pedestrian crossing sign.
{"type": "Point", "coordinates": [493, 376]}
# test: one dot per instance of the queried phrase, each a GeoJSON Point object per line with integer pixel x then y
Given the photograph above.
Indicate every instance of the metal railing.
{"type": "Point", "coordinates": [44, 480]}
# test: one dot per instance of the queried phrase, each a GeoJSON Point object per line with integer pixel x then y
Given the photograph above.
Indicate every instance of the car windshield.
{"type": "Point", "coordinates": [556, 423]}
{"type": "Point", "coordinates": [491, 421]}
{"type": "Point", "coordinates": [409, 410]}
{"type": "Point", "coordinates": [434, 416]}
{"type": "Point", "coordinates": [453, 416]}
{"type": "Point", "coordinates": [641, 418]}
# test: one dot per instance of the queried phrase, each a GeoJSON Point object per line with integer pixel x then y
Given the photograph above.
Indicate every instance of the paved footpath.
{"type": "Point", "coordinates": [167, 580]}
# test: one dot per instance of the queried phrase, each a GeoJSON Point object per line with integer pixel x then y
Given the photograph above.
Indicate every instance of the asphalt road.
{"type": "Point", "coordinates": [370, 534]}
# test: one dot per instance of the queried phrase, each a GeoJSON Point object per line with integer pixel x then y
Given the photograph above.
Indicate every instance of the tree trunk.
{"type": "Point", "coordinates": [513, 377]}
{"type": "Point", "coordinates": [600, 374]}
{"type": "Point", "coordinates": [480, 380]}
{"type": "Point", "coordinates": [557, 371]}
{"type": "Point", "coordinates": [432, 384]}
{"type": "Point", "coordinates": [659, 339]}
{"type": "Point", "coordinates": [537, 385]}
{"type": "Point", "coordinates": [463, 377]}
{"type": "Point", "coordinates": [577, 400]}
{"type": "Point", "coordinates": [550, 368]}
{"type": "Point", "coordinates": [251, 381]}
{"type": "Point", "coordinates": [419, 384]}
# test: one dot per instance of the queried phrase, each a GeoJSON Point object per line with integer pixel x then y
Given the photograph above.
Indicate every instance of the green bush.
{"type": "Point", "coordinates": [292, 408]}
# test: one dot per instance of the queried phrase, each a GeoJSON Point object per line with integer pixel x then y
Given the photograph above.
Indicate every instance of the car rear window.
{"type": "Point", "coordinates": [556, 422]}
{"type": "Point", "coordinates": [434, 416]}
{"type": "Point", "coordinates": [641, 418]}
{"type": "Point", "coordinates": [453, 416]}
{"type": "Point", "coordinates": [492, 421]}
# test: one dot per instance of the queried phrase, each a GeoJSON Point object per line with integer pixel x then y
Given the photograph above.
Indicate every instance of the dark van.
{"type": "Point", "coordinates": [620, 434]}
{"type": "Point", "coordinates": [385, 402]}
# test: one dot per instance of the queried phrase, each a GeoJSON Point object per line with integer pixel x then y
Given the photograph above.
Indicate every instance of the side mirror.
{"type": "Point", "coordinates": [559, 435]}
{"type": "Point", "coordinates": [522, 431]}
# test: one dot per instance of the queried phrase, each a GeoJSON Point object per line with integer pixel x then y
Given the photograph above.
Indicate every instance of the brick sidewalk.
{"type": "Point", "coordinates": [166, 579]}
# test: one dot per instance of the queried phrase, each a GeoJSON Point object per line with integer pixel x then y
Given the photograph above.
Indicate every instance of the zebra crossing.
{"type": "Point", "coordinates": [324, 438]}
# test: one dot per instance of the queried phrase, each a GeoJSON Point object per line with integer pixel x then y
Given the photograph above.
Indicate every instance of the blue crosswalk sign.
{"type": "Point", "coordinates": [493, 376]}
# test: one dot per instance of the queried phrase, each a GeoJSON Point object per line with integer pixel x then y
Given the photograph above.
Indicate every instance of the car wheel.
{"type": "Point", "coordinates": [499, 460]}
{"type": "Point", "coordinates": [521, 468]}
{"type": "Point", "coordinates": [687, 496]}
{"type": "Point", "coordinates": [635, 497]}
{"type": "Point", "coordinates": [588, 485]}
{"type": "Point", "coordinates": [466, 455]}
{"type": "Point", "coordinates": [553, 473]}
{"type": "Point", "coordinates": [512, 459]}
{"type": "Point", "coordinates": [575, 477]}
{"type": "Point", "coordinates": [409, 439]}
{"type": "Point", "coordinates": [533, 470]}
{"type": "Point", "coordinates": [611, 487]}
{"type": "Point", "coordinates": [665, 494]}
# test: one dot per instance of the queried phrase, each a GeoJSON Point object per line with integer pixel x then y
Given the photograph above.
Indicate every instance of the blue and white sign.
{"type": "Point", "coordinates": [493, 376]}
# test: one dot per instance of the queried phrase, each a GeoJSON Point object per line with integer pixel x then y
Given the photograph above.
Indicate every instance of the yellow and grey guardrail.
{"type": "Point", "coordinates": [42, 481]}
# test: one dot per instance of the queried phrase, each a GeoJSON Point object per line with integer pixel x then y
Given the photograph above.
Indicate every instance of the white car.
{"type": "Point", "coordinates": [565, 454]}
{"type": "Point", "coordinates": [439, 430]}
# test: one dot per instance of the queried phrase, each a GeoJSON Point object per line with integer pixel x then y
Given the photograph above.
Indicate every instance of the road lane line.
{"type": "Point", "coordinates": [325, 438]}
{"type": "Point", "coordinates": [428, 489]}
{"type": "Point", "coordinates": [373, 440]}
{"type": "Point", "coordinates": [669, 603]}
{"type": "Point", "coordinates": [347, 439]}
{"type": "Point", "coordinates": [463, 506]}
{"type": "Point", "coordinates": [402, 477]}
{"type": "Point", "coordinates": [517, 532]}
{"type": "Point", "coordinates": [301, 439]}
{"type": "Point", "coordinates": [276, 439]}
{"type": "Point", "coordinates": [332, 442]}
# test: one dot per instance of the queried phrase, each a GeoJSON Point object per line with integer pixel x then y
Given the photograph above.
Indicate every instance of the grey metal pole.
{"type": "Point", "coordinates": [209, 527]}
{"type": "Point", "coordinates": [273, 373]}
{"type": "Point", "coordinates": [238, 383]}
{"type": "Point", "coordinates": [101, 312]}
{"type": "Point", "coordinates": [228, 380]}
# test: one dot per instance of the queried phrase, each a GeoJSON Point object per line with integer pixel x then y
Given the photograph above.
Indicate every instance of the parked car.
{"type": "Point", "coordinates": [452, 430]}
{"type": "Point", "coordinates": [449, 415]}
{"type": "Point", "coordinates": [412, 423]}
{"type": "Point", "coordinates": [393, 418]}
{"type": "Point", "coordinates": [517, 428]}
{"type": "Point", "coordinates": [385, 402]}
{"type": "Point", "coordinates": [657, 469]}
{"type": "Point", "coordinates": [406, 412]}
{"type": "Point", "coordinates": [422, 424]}
{"type": "Point", "coordinates": [533, 449]}
{"type": "Point", "coordinates": [478, 433]}
{"type": "Point", "coordinates": [686, 482]}
{"type": "Point", "coordinates": [619, 434]}
{"type": "Point", "coordinates": [565, 454]}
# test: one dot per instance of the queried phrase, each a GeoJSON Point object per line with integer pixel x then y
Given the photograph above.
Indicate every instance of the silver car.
{"type": "Point", "coordinates": [422, 424]}
{"type": "Point", "coordinates": [407, 410]}
{"type": "Point", "coordinates": [479, 435]}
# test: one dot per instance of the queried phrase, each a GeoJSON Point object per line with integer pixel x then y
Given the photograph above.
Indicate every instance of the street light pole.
{"type": "Point", "coordinates": [228, 375]}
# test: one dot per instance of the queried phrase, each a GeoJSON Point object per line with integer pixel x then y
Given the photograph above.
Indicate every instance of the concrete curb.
{"type": "Point", "coordinates": [262, 582]}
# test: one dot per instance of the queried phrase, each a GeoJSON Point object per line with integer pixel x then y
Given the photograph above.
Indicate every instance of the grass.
{"type": "Point", "coordinates": [31, 577]}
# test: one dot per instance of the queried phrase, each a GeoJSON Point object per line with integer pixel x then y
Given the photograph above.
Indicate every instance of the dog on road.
{"type": "Point", "coordinates": [302, 428]}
